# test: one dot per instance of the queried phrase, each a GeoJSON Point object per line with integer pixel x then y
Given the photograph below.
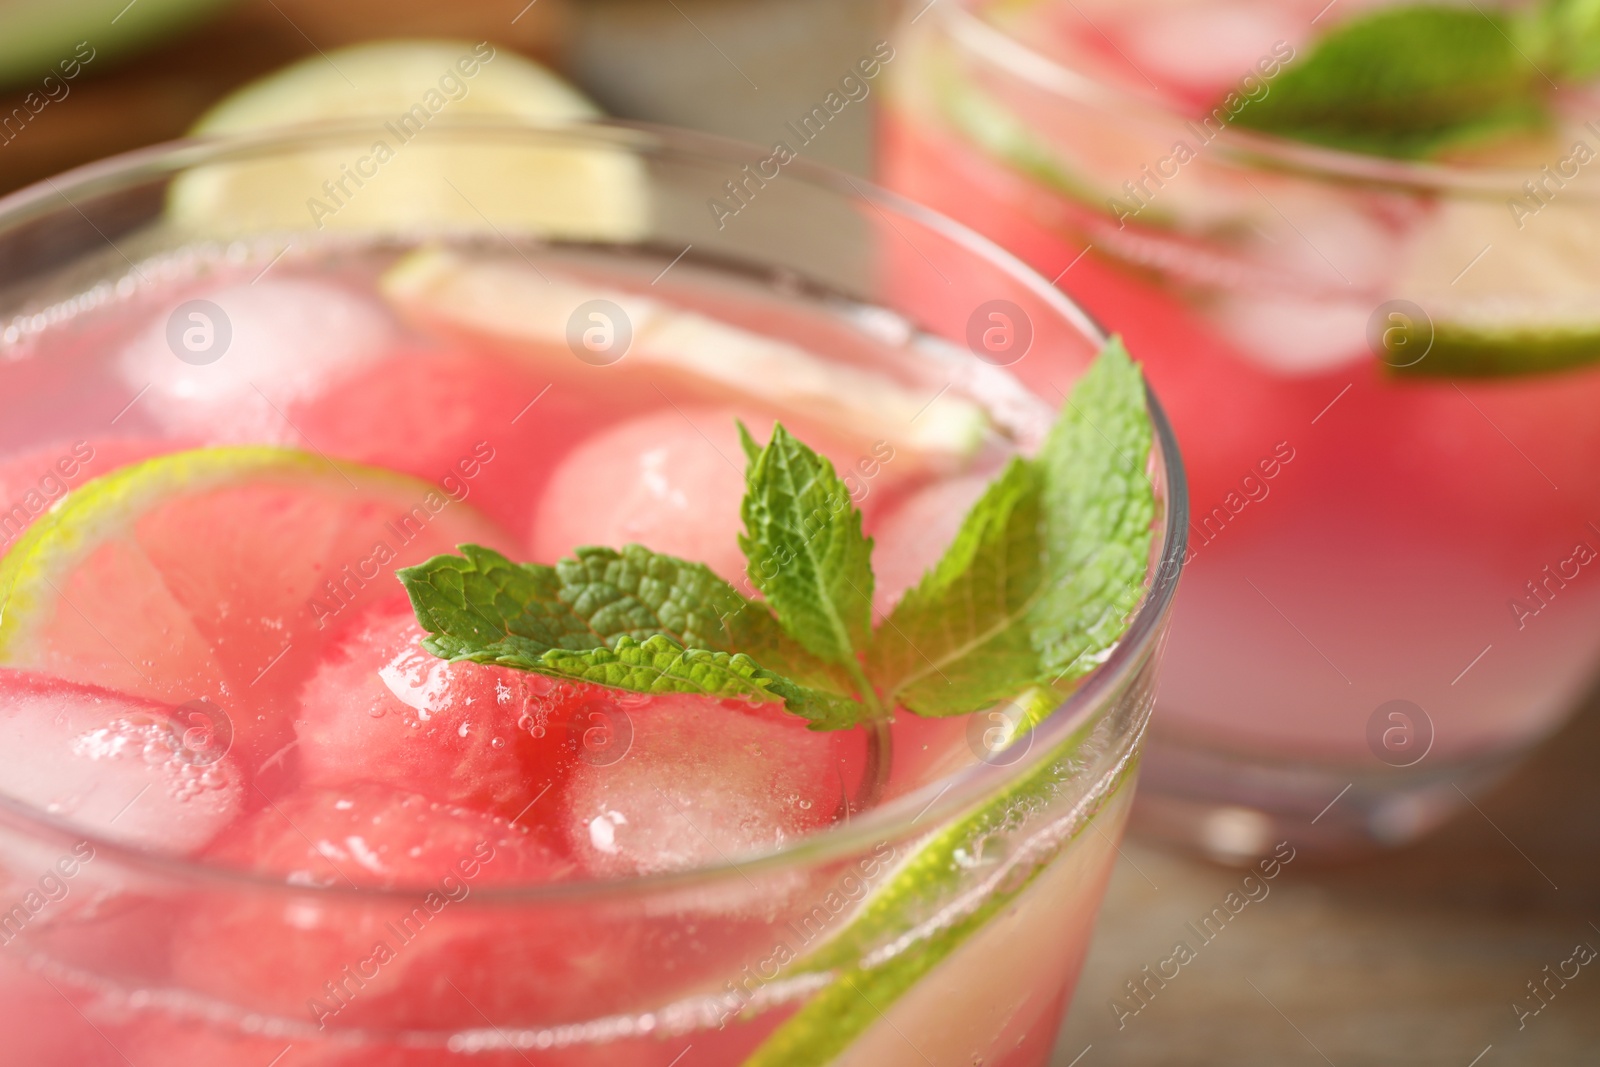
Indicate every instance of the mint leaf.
{"type": "Point", "coordinates": [1099, 506]}
{"type": "Point", "coordinates": [1047, 567]}
{"type": "Point", "coordinates": [631, 619]}
{"type": "Point", "coordinates": [1405, 82]}
{"type": "Point", "coordinates": [961, 638]}
{"type": "Point", "coordinates": [482, 606]}
{"type": "Point", "coordinates": [805, 548]}
{"type": "Point", "coordinates": [752, 449]}
{"type": "Point", "coordinates": [661, 665]}
{"type": "Point", "coordinates": [639, 593]}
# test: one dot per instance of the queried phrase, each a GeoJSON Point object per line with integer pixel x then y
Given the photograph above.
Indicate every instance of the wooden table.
{"type": "Point", "coordinates": [1415, 957]}
{"type": "Point", "coordinates": [1412, 958]}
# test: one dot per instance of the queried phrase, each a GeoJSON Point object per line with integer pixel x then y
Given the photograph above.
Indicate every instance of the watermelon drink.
{"type": "Point", "coordinates": [1376, 338]}
{"type": "Point", "coordinates": [405, 654]}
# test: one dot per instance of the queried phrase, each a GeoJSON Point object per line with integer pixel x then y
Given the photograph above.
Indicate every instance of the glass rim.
{"type": "Point", "coordinates": [1020, 60]}
{"type": "Point", "coordinates": [942, 798]}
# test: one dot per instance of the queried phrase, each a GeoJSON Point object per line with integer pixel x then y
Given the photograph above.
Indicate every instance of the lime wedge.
{"type": "Point", "coordinates": [215, 574]}
{"type": "Point", "coordinates": [532, 312]}
{"type": "Point", "coordinates": [1497, 294]}
{"type": "Point", "coordinates": [408, 174]}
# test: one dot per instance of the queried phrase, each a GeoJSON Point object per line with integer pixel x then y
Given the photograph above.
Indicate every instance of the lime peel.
{"type": "Point", "coordinates": [867, 976]}
{"type": "Point", "coordinates": [86, 517]}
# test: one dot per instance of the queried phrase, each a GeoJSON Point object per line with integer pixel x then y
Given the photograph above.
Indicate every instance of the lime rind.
{"type": "Point", "coordinates": [85, 518]}
{"type": "Point", "coordinates": [1460, 351]}
{"type": "Point", "coordinates": [921, 915]}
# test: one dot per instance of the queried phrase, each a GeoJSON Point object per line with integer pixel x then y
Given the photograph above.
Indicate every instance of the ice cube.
{"type": "Point", "coordinates": [671, 481]}
{"type": "Point", "coordinates": [382, 708]}
{"type": "Point", "coordinates": [132, 770]}
{"type": "Point", "coordinates": [1208, 49]}
{"type": "Point", "coordinates": [227, 365]}
{"type": "Point", "coordinates": [702, 782]}
{"type": "Point", "coordinates": [1296, 335]}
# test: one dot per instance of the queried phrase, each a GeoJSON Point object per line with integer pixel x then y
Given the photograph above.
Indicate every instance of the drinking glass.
{"type": "Point", "coordinates": [943, 923]}
{"type": "Point", "coordinates": [1381, 375]}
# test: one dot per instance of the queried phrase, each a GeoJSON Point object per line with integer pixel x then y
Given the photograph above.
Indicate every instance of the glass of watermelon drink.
{"type": "Point", "coordinates": [1377, 342]}
{"type": "Point", "coordinates": [301, 768]}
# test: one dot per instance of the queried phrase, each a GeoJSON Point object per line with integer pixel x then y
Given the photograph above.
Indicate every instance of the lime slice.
{"type": "Point", "coordinates": [532, 313]}
{"type": "Point", "coordinates": [406, 175]}
{"type": "Point", "coordinates": [932, 905]}
{"type": "Point", "coordinates": [215, 575]}
{"type": "Point", "coordinates": [1487, 293]}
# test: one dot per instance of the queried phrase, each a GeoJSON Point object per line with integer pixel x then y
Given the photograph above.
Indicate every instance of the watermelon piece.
{"type": "Point", "coordinates": [480, 426]}
{"type": "Point", "coordinates": [380, 707]}
{"type": "Point", "coordinates": [376, 959]}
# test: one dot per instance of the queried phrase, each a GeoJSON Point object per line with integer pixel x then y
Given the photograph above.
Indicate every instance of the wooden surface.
{"type": "Point", "coordinates": [1414, 957]}
{"type": "Point", "coordinates": [1411, 958]}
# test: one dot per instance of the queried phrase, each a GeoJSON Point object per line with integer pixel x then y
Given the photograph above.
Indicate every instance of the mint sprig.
{"type": "Point", "coordinates": [1408, 82]}
{"type": "Point", "coordinates": [1099, 504]}
{"type": "Point", "coordinates": [1036, 589]}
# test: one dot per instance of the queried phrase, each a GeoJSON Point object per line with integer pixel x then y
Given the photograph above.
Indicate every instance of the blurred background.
{"type": "Point", "coordinates": [1412, 958]}
{"type": "Point", "coordinates": [735, 67]}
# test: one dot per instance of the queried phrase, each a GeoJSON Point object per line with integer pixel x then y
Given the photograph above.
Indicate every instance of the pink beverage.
{"type": "Point", "coordinates": [1387, 598]}
{"type": "Point", "coordinates": [247, 817]}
